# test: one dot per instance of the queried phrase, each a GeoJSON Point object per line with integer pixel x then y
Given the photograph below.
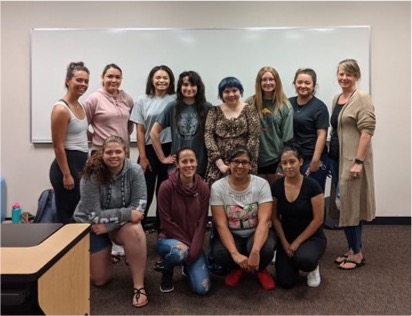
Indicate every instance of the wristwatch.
{"type": "Point", "coordinates": [358, 161]}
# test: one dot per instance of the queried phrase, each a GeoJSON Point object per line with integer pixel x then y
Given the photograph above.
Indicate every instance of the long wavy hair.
{"type": "Point", "coordinates": [200, 98]}
{"type": "Point", "coordinates": [279, 97]}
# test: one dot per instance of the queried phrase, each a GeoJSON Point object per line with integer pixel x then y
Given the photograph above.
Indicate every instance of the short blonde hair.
{"type": "Point", "coordinates": [350, 66]}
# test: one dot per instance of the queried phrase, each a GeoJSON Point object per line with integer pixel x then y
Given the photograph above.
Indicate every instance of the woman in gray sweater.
{"type": "Point", "coordinates": [113, 200]}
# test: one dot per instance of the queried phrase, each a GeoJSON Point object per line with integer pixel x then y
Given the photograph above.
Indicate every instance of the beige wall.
{"type": "Point", "coordinates": [26, 166]}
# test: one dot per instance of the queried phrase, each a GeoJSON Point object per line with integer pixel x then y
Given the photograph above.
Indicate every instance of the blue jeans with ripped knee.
{"type": "Point", "coordinates": [197, 272]}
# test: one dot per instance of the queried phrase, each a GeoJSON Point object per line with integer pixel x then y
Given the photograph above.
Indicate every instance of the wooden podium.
{"type": "Point", "coordinates": [49, 265]}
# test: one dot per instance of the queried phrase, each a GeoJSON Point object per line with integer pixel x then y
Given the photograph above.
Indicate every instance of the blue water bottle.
{"type": "Point", "coordinates": [15, 213]}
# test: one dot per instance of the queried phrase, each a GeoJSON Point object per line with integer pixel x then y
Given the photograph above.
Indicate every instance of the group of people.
{"type": "Point", "coordinates": [260, 165]}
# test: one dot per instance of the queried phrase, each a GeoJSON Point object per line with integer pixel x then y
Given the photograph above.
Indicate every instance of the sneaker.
{"type": "Point", "coordinates": [166, 285]}
{"type": "Point", "coordinates": [313, 278]}
{"type": "Point", "coordinates": [117, 250]}
{"type": "Point", "coordinates": [274, 257]}
{"type": "Point", "coordinates": [233, 278]}
{"type": "Point", "coordinates": [159, 265]}
{"type": "Point", "coordinates": [266, 280]}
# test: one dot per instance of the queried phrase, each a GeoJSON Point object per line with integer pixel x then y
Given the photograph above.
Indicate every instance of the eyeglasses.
{"type": "Point", "coordinates": [237, 163]}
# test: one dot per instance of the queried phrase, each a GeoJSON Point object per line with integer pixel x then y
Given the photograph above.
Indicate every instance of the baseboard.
{"type": "Point", "coordinates": [390, 220]}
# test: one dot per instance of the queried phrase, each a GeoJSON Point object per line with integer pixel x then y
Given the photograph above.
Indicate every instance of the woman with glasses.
{"type": "Point", "coordinates": [241, 207]}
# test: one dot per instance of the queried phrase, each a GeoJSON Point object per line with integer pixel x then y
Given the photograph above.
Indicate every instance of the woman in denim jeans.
{"type": "Point", "coordinates": [183, 209]}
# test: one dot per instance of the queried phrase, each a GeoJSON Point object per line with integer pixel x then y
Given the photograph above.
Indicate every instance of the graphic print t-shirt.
{"type": "Point", "coordinates": [241, 207]}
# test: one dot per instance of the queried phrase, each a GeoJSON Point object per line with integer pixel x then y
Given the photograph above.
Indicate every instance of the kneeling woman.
{"type": "Point", "coordinates": [297, 217]}
{"type": "Point", "coordinates": [183, 204]}
{"type": "Point", "coordinates": [113, 200]}
{"type": "Point", "coordinates": [241, 207]}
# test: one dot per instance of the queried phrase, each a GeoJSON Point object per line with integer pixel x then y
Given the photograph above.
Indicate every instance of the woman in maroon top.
{"type": "Point", "coordinates": [183, 204]}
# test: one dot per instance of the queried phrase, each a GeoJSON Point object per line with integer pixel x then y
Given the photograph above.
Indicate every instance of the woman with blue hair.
{"type": "Point", "coordinates": [228, 125]}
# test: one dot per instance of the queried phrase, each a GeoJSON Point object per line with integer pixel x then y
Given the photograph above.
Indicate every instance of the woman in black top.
{"type": "Point", "coordinates": [297, 217]}
{"type": "Point", "coordinates": [310, 126]}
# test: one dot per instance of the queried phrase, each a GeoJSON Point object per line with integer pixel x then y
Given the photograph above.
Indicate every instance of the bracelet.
{"type": "Point", "coordinates": [358, 161]}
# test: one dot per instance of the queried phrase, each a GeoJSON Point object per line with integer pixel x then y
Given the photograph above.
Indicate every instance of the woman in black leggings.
{"type": "Point", "coordinates": [69, 136]}
{"type": "Point", "coordinates": [297, 217]}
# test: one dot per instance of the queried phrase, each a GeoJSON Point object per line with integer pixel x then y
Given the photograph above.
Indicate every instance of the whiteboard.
{"type": "Point", "coordinates": [213, 53]}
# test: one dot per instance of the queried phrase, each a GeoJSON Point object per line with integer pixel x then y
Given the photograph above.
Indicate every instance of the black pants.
{"type": "Point", "coordinates": [155, 177]}
{"type": "Point", "coordinates": [244, 245]}
{"type": "Point", "coordinates": [306, 259]}
{"type": "Point", "coordinates": [66, 200]}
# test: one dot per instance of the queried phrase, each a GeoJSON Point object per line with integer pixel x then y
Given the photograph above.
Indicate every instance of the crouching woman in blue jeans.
{"type": "Point", "coordinates": [183, 204]}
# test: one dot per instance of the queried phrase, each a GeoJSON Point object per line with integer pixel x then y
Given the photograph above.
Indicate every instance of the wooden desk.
{"type": "Point", "coordinates": [59, 265]}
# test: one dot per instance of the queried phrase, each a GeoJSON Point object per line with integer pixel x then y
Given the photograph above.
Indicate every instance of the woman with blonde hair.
{"type": "Point", "coordinates": [276, 120]}
{"type": "Point", "coordinates": [355, 120]}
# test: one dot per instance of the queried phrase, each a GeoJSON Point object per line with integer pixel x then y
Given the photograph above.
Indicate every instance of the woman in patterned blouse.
{"type": "Point", "coordinates": [228, 125]}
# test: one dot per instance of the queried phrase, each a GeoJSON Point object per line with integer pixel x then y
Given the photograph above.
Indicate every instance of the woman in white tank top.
{"type": "Point", "coordinates": [69, 136]}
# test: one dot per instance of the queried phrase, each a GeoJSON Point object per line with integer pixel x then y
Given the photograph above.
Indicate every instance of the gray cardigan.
{"type": "Point", "coordinates": [106, 204]}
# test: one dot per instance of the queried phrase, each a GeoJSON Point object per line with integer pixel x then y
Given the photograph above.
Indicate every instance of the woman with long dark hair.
{"type": "Point", "coordinates": [186, 117]}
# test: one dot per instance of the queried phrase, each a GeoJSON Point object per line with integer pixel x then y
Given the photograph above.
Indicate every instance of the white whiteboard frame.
{"type": "Point", "coordinates": [213, 52]}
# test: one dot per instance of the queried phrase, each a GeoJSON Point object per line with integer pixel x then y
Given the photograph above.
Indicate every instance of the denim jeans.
{"type": "Point", "coordinates": [354, 237]}
{"type": "Point", "coordinates": [334, 169]}
{"type": "Point", "coordinates": [321, 174]}
{"type": "Point", "coordinates": [197, 272]}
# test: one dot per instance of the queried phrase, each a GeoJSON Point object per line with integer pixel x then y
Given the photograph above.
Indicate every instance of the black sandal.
{"type": "Point", "coordinates": [344, 256]}
{"type": "Point", "coordinates": [136, 294]}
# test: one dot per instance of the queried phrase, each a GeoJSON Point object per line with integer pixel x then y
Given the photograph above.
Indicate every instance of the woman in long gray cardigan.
{"type": "Point", "coordinates": [355, 127]}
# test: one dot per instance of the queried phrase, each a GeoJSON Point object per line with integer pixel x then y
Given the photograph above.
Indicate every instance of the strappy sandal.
{"type": "Point", "coordinates": [136, 295]}
{"type": "Point", "coordinates": [343, 257]}
{"type": "Point", "coordinates": [355, 264]}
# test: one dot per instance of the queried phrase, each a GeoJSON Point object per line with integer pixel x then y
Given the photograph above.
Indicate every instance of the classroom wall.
{"type": "Point", "coordinates": [26, 166]}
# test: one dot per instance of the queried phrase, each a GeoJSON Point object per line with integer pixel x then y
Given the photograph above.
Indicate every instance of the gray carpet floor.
{"type": "Point", "coordinates": [381, 287]}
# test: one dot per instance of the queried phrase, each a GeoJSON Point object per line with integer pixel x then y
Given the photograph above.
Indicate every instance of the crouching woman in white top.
{"type": "Point", "coordinates": [113, 200]}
